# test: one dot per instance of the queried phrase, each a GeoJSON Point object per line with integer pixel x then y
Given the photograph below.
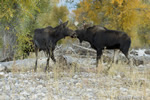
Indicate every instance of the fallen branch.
{"type": "Point", "coordinates": [6, 59]}
{"type": "Point", "coordinates": [84, 48]}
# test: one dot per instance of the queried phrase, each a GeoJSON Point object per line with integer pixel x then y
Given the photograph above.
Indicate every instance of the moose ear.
{"type": "Point", "coordinates": [65, 24]}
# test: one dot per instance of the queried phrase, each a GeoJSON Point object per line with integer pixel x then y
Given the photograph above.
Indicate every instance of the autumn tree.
{"type": "Point", "coordinates": [12, 13]}
{"type": "Point", "coordinates": [52, 17]}
{"type": "Point", "coordinates": [19, 17]}
{"type": "Point", "coordinates": [124, 15]}
{"type": "Point", "coordinates": [27, 25]}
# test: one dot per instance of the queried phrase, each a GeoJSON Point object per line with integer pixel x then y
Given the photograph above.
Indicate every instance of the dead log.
{"type": "Point", "coordinates": [88, 49]}
{"type": "Point", "coordinates": [6, 59]}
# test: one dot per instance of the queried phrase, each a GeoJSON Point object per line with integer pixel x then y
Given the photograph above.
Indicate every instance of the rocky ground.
{"type": "Point", "coordinates": [74, 77]}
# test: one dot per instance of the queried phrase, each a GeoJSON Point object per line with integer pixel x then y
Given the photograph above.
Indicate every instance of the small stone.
{"type": "Point", "coordinates": [114, 88]}
{"type": "Point", "coordinates": [89, 90]}
{"type": "Point", "coordinates": [75, 76]}
{"type": "Point", "coordinates": [14, 96]}
{"type": "Point", "coordinates": [1, 76]}
{"type": "Point", "coordinates": [135, 53]}
{"type": "Point", "coordinates": [7, 87]}
{"type": "Point", "coordinates": [39, 86]}
{"type": "Point", "coordinates": [147, 52]}
{"type": "Point", "coordinates": [32, 89]}
{"type": "Point", "coordinates": [55, 97]}
{"type": "Point", "coordinates": [75, 81]}
{"type": "Point", "coordinates": [22, 98]}
{"type": "Point", "coordinates": [123, 89]}
{"type": "Point", "coordinates": [45, 98]}
{"type": "Point", "coordinates": [2, 67]}
{"type": "Point", "coordinates": [2, 73]}
{"type": "Point", "coordinates": [24, 93]}
{"type": "Point", "coordinates": [79, 85]}
{"type": "Point", "coordinates": [89, 95]}
{"type": "Point", "coordinates": [41, 94]}
{"type": "Point", "coordinates": [26, 81]}
{"type": "Point", "coordinates": [118, 76]}
{"type": "Point", "coordinates": [4, 97]}
{"type": "Point", "coordinates": [1, 89]}
{"type": "Point", "coordinates": [34, 97]}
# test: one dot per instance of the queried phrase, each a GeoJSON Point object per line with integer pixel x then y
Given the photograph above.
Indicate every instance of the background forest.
{"type": "Point", "coordinates": [19, 18]}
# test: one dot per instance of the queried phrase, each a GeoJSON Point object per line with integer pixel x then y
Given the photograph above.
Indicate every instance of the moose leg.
{"type": "Point", "coordinates": [36, 53]}
{"type": "Point", "coordinates": [47, 64]}
{"type": "Point", "coordinates": [125, 52]}
{"type": "Point", "coordinates": [52, 57]}
{"type": "Point", "coordinates": [99, 53]}
{"type": "Point", "coordinates": [127, 58]}
{"type": "Point", "coordinates": [98, 65]}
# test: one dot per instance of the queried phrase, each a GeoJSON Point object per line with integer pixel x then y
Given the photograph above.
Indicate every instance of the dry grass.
{"type": "Point", "coordinates": [111, 81]}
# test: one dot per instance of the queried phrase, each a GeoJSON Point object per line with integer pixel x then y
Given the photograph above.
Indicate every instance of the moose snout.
{"type": "Point", "coordinates": [74, 35]}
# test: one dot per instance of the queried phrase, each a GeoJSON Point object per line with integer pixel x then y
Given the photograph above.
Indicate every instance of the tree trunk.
{"type": "Point", "coordinates": [9, 41]}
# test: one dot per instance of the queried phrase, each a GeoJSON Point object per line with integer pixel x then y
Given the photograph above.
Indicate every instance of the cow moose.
{"type": "Point", "coordinates": [45, 39]}
{"type": "Point", "coordinates": [101, 37]}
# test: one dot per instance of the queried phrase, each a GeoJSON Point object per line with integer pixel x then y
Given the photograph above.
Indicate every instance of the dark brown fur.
{"type": "Point", "coordinates": [46, 39]}
{"type": "Point", "coordinates": [100, 37]}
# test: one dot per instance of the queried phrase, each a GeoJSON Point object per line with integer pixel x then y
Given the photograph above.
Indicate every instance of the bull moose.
{"type": "Point", "coordinates": [45, 39]}
{"type": "Point", "coordinates": [101, 37]}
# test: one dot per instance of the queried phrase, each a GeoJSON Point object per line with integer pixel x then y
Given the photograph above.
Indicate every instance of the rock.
{"type": "Point", "coordinates": [4, 97]}
{"type": "Point", "coordinates": [2, 75]}
{"type": "Point", "coordinates": [28, 63]}
{"type": "Point", "coordinates": [89, 90]}
{"type": "Point", "coordinates": [55, 97]}
{"type": "Point", "coordinates": [2, 67]}
{"type": "Point", "coordinates": [24, 93]}
{"type": "Point", "coordinates": [147, 52]}
{"type": "Point", "coordinates": [69, 50]}
{"type": "Point", "coordinates": [32, 89]}
{"type": "Point", "coordinates": [26, 81]}
{"type": "Point", "coordinates": [15, 96]}
{"type": "Point", "coordinates": [137, 61]}
{"type": "Point", "coordinates": [7, 87]}
{"type": "Point", "coordinates": [79, 85]}
{"type": "Point", "coordinates": [118, 76]}
{"type": "Point", "coordinates": [44, 90]}
{"type": "Point", "coordinates": [86, 44]}
{"type": "Point", "coordinates": [133, 52]}
{"type": "Point", "coordinates": [75, 81]}
{"type": "Point", "coordinates": [41, 94]}
{"type": "Point", "coordinates": [34, 97]}
{"type": "Point", "coordinates": [6, 59]}
{"type": "Point", "coordinates": [75, 76]}
{"type": "Point", "coordinates": [123, 89]}
{"type": "Point", "coordinates": [22, 98]}
{"type": "Point", "coordinates": [45, 98]}
{"type": "Point", "coordinates": [39, 86]}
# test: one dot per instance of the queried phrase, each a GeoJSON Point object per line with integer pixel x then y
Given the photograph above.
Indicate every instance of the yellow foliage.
{"type": "Point", "coordinates": [118, 2]}
{"type": "Point", "coordinates": [10, 8]}
{"type": "Point", "coordinates": [6, 28]}
{"type": "Point", "coordinates": [125, 15]}
{"type": "Point", "coordinates": [58, 13]}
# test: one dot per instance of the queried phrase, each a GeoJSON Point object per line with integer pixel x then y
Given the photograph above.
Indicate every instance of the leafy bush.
{"type": "Point", "coordinates": [24, 44]}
